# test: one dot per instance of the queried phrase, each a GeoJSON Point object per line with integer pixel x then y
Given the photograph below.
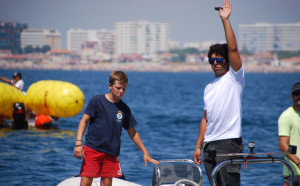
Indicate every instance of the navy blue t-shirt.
{"type": "Point", "coordinates": [105, 127]}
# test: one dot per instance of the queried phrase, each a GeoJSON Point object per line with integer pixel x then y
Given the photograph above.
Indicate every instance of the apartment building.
{"type": "Point", "coordinates": [106, 40]}
{"type": "Point", "coordinates": [142, 37]}
{"type": "Point", "coordinates": [37, 37]}
{"type": "Point", "coordinates": [77, 38]}
{"type": "Point", "coordinates": [10, 35]}
{"type": "Point", "coordinates": [263, 37]}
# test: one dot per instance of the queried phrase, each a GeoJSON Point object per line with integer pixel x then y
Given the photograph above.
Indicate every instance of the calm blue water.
{"type": "Point", "coordinates": [168, 108]}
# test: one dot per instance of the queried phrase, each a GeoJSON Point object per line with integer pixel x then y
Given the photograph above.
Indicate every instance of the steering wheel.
{"type": "Point", "coordinates": [186, 181]}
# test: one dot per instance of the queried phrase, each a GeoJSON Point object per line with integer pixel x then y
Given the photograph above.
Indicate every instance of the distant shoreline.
{"type": "Point", "coordinates": [143, 67]}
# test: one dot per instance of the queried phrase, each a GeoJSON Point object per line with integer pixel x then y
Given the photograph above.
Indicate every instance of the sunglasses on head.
{"type": "Point", "coordinates": [212, 60]}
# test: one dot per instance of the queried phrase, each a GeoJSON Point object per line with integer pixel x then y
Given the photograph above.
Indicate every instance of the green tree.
{"type": "Point", "coordinates": [38, 49]}
{"type": "Point", "coordinates": [191, 51]}
{"type": "Point", "coordinates": [46, 48]}
{"type": "Point", "coordinates": [20, 51]}
{"type": "Point", "coordinates": [179, 55]}
{"type": "Point", "coordinates": [246, 52]}
{"type": "Point", "coordinates": [287, 54]}
{"type": "Point", "coordinates": [28, 49]}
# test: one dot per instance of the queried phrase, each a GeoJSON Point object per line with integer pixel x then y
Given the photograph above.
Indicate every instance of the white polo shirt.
{"type": "Point", "coordinates": [222, 102]}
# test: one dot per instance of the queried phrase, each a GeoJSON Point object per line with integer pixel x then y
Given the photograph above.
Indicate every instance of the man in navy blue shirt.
{"type": "Point", "coordinates": [107, 115]}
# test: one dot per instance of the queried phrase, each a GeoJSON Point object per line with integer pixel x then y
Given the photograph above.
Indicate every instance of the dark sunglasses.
{"type": "Point", "coordinates": [296, 93]}
{"type": "Point", "coordinates": [212, 60]}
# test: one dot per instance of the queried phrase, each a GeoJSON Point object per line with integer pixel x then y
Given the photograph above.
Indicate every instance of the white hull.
{"type": "Point", "coordinates": [180, 172]}
{"type": "Point", "coordinates": [75, 181]}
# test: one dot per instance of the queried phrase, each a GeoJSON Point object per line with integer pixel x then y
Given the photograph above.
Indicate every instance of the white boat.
{"type": "Point", "coordinates": [184, 172]}
{"type": "Point", "coordinates": [96, 182]}
{"type": "Point", "coordinates": [168, 173]}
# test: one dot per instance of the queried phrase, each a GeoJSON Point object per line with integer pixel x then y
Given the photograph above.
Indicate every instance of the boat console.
{"type": "Point", "coordinates": [177, 172]}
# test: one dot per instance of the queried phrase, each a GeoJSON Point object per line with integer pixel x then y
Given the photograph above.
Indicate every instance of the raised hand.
{"type": "Point", "coordinates": [226, 10]}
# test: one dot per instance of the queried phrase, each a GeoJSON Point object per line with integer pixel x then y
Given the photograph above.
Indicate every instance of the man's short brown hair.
{"type": "Point", "coordinates": [118, 76]}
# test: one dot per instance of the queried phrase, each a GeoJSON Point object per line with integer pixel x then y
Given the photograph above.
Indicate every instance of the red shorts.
{"type": "Point", "coordinates": [99, 164]}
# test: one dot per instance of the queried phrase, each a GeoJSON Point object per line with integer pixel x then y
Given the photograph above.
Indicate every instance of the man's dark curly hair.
{"type": "Point", "coordinates": [219, 49]}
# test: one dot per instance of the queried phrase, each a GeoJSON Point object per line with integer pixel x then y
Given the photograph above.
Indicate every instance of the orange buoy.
{"type": "Point", "coordinates": [43, 121]}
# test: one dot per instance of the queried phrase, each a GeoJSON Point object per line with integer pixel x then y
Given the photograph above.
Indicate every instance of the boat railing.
{"type": "Point", "coordinates": [244, 158]}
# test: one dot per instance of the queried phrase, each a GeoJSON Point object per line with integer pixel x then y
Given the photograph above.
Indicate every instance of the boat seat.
{"type": "Point", "coordinates": [177, 172]}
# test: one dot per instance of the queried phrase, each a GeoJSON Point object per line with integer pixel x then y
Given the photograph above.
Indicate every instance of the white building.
{"type": "Point", "coordinates": [174, 45]}
{"type": "Point", "coordinates": [262, 37]}
{"type": "Point", "coordinates": [201, 46]}
{"type": "Point", "coordinates": [126, 37]}
{"type": "Point", "coordinates": [106, 40]}
{"type": "Point", "coordinates": [76, 38]}
{"type": "Point", "coordinates": [142, 37]}
{"type": "Point", "coordinates": [40, 37]}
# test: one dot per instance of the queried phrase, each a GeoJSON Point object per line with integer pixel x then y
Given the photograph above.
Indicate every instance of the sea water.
{"type": "Point", "coordinates": [168, 107]}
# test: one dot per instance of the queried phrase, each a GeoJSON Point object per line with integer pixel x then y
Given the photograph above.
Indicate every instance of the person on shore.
{"type": "Point", "coordinates": [220, 127]}
{"type": "Point", "coordinates": [289, 134]}
{"type": "Point", "coordinates": [16, 80]}
{"type": "Point", "coordinates": [107, 115]}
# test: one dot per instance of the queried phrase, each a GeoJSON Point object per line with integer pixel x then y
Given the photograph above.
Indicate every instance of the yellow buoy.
{"type": "Point", "coordinates": [55, 98]}
{"type": "Point", "coordinates": [8, 96]}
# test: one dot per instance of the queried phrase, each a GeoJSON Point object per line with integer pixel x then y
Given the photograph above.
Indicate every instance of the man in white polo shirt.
{"type": "Point", "coordinates": [220, 127]}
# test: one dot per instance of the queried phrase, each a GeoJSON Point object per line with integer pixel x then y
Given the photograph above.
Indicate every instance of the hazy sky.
{"type": "Point", "coordinates": [189, 20]}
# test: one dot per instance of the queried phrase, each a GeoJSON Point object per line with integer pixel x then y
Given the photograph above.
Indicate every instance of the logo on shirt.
{"type": "Point", "coordinates": [119, 116]}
